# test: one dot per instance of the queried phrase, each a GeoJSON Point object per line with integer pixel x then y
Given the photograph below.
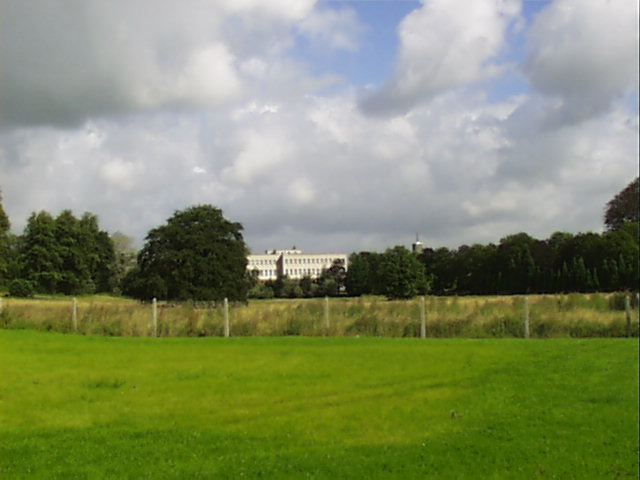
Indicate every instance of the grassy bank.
{"type": "Point", "coordinates": [576, 315]}
{"type": "Point", "coordinates": [97, 407]}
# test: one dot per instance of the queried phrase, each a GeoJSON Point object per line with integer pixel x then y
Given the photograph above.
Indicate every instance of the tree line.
{"type": "Point", "coordinates": [200, 255]}
{"type": "Point", "coordinates": [63, 254]}
{"type": "Point", "coordinates": [519, 264]}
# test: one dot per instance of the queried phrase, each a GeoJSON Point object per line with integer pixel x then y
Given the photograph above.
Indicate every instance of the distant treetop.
{"type": "Point", "coordinates": [624, 207]}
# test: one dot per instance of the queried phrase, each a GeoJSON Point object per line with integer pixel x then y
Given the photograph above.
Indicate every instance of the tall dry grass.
{"type": "Point", "coordinates": [575, 315]}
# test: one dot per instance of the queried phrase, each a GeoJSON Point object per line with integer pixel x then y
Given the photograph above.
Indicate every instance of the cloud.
{"type": "Point", "coordinates": [283, 10]}
{"type": "Point", "coordinates": [207, 79]}
{"type": "Point", "coordinates": [143, 131]}
{"type": "Point", "coordinates": [119, 174]}
{"type": "Point", "coordinates": [260, 152]}
{"type": "Point", "coordinates": [333, 28]}
{"type": "Point", "coordinates": [321, 174]}
{"type": "Point", "coordinates": [583, 55]}
{"type": "Point", "coordinates": [65, 62]}
{"type": "Point", "coordinates": [444, 44]}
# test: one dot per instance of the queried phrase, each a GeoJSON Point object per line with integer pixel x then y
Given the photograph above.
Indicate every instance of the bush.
{"type": "Point", "coordinates": [617, 301]}
{"type": "Point", "coordinates": [21, 288]}
{"type": "Point", "coordinates": [260, 290]}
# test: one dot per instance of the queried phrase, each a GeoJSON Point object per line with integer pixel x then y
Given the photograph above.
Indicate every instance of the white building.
{"type": "Point", "coordinates": [293, 263]}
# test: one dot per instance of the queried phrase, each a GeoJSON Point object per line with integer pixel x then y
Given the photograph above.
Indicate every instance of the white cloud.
{"type": "Point", "coordinates": [283, 10]}
{"type": "Point", "coordinates": [333, 28]}
{"type": "Point", "coordinates": [261, 152]}
{"type": "Point", "coordinates": [119, 174]}
{"type": "Point", "coordinates": [443, 45]}
{"type": "Point", "coordinates": [450, 171]}
{"type": "Point", "coordinates": [207, 79]}
{"type": "Point", "coordinates": [584, 54]}
{"type": "Point", "coordinates": [207, 103]}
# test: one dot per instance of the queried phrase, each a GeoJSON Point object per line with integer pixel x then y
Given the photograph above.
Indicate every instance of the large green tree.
{"type": "Point", "coordinates": [197, 255]}
{"type": "Point", "coordinates": [402, 274]}
{"type": "Point", "coordinates": [624, 207]}
{"type": "Point", "coordinates": [99, 252]}
{"type": "Point", "coordinates": [39, 260]}
{"type": "Point", "coordinates": [359, 275]}
{"type": "Point", "coordinates": [514, 264]}
{"type": "Point", "coordinates": [65, 254]}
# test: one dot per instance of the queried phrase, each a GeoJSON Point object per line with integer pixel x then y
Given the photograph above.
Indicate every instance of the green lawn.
{"type": "Point", "coordinates": [96, 407]}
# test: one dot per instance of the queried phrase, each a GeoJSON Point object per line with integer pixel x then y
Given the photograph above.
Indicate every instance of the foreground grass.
{"type": "Point", "coordinates": [97, 407]}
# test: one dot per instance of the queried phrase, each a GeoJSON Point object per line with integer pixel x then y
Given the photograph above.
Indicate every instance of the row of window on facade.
{"type": "Point", "coordinates": [307, 261]}
{"type": "Point", "coordinates": [293, 261]}
{"type": "Point", "coordinates": [312, 272]}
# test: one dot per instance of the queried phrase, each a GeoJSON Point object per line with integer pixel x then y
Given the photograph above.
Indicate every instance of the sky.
{"type": "Point", "coordinates": [331, 125]}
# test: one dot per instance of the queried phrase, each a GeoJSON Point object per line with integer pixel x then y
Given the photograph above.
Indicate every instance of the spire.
{"type": "Point", "coordinates": [417, 247]}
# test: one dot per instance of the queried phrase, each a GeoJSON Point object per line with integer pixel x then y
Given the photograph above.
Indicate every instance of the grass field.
{"type": "Point", "coordinates": [101, 407]}
{"type": "Point", "coordinates": [551, 316]}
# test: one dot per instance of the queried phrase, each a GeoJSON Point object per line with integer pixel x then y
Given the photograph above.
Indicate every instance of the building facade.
{"type": "Point", "coordinates": [293, 263]}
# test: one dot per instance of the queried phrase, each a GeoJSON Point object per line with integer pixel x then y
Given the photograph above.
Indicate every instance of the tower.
{"type": "Point", "coordinates": [418, 246]}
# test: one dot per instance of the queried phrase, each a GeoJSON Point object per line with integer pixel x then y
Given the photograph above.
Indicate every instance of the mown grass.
{"type": "Point", "coordinates": [576, 315]}
{"type": "Point", "coordinates": [99, 407]}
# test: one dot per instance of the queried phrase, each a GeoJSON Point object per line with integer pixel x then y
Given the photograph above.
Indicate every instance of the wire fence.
{"type": "Point", "coordinates": [537, 316]}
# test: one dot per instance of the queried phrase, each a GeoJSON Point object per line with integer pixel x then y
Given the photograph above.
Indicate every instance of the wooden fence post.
{"type": "Point", "coordinates": [423, 319]}
{"type": "Point", "coordinates": [226, 318]}
{"type": "Point", "coordinates": [74, 314]}
{"type": "Point", "coordinates": [154, 316]}
{"type": "Point", "coordinates": [627, 310]}
{"type": "Point", "coordinates": [327, 324]}
{"type": "Point", "coordinates": [526, 317]}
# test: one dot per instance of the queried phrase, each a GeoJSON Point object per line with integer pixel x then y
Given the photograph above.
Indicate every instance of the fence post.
{"type": "Point", "coordinates": [226, 318]}
{"type": "Point", "coordinates": [627, 310]}
{"type": "Point", "coordinates": [327, 324]}
{"type": "Point", "coordinates": [74, 314]}
{"type": "Point", "coordinates": [154, 316]}
{"type": "Point", "coordinates": [0, 304]}
{"type": "Point", "coordinates": [526, 317]}
{"type": "Point", "coordinates": [423, 319]}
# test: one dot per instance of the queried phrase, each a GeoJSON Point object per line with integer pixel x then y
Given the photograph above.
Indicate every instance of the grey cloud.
{"type": "Point", "coordinates": [583, 55]}
{"type": "Point", "coordinates": [64, 62]}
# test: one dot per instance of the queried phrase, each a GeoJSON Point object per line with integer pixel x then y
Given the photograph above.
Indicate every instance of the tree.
{"type": "Point", "coordinates": [75, 274]}
{"type": "Point", "coordinates": [4, 242]}
{"type": "Point", "coordinates": [66, 254]}
{"type": "Point", "coordinates": [99, 253]}
{"type": "Point", "coordinates": [624, 207]}
{"type": "Point", "coordinates": [40, 260]}
{"type": "Point", "coordinates": [125, 256]}
{"type": "Point", "coordinates": [623, 251]}
{"type": "Point", "coordinates": [358, 281]}
{"type": "Point", "coordinates": [440, 265]}
{"type": "Point", "coordinates": [515, 264]}
{"type": "Point", "coordinates": [402, 274]}
{"type": "Point", "coordinates": [197, 255]}
{"type": "Point", "coordinates": [363, 276]}
{"type": "Point", "coordinates": [306, 286]}
{"type": "Point", "coordinates": [332, 280]}
{"type": "Point", "coordinates": [474, 268]}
